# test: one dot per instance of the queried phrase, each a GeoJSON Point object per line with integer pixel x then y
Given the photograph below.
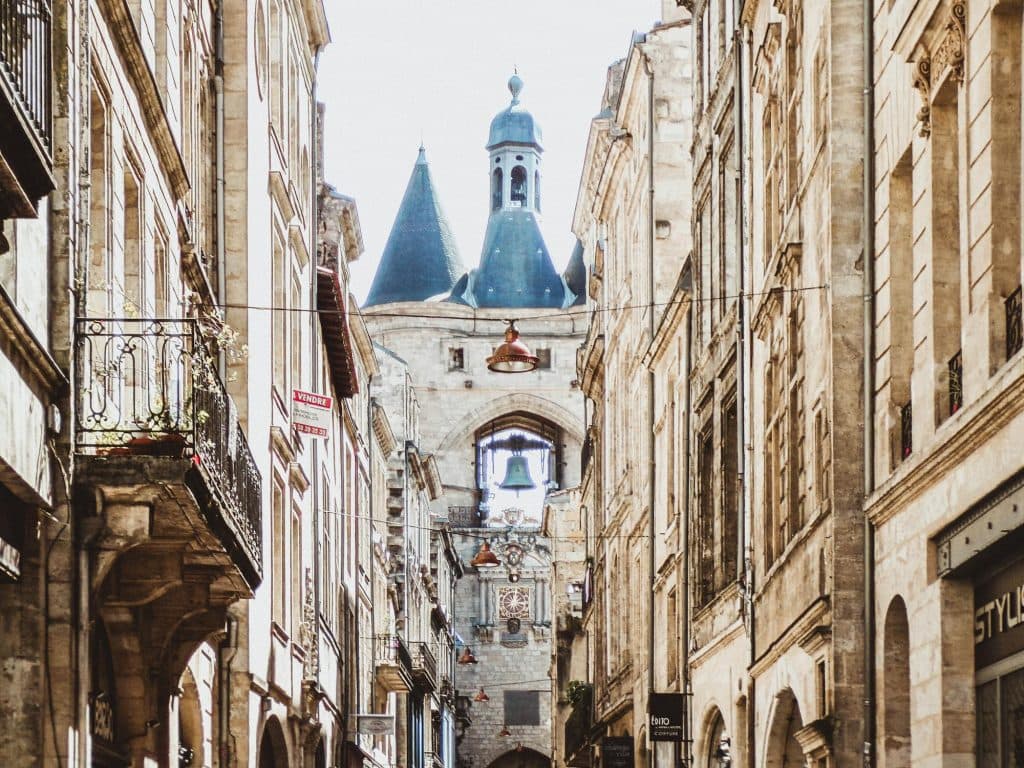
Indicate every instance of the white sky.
{"type": "Point", "coordinates": [399, 70]}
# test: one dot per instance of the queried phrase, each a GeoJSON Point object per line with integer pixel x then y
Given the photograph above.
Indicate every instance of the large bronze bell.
{"type": "Point", "coordinates": [517, 475]}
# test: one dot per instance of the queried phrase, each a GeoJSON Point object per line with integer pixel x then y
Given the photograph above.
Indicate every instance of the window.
{"type": "Point", "coordinates": [706, 516]}
{"type": "Point", "coordinates": [456, 359]}
{"type": "Point", "coordinates": [497, 180]}
{"type": "Point", "coordinates": [522, 708]}
{"type": "Point", "coordinates": [134, 287]}
{"type": "Point", "coordinates": [295, 571]}
{"type": "Point", "coordinates": [901, 290]}
{"type": "Point", "coordinates": [277, 57]}
{"type": "Point", "coordinates": [518, 191]}
{"type": "Point", "coordinates": [100, 275]}
{"type": "Point", "coordinates": [277, 558]}
{"type": "Point", "coordinates": [672, 650]}
{"type": "Point", "coordinates": [794, 86]}
{"type": "Point", "coordinates": [280, 315]}
{"type": "Point", "coordinates": [822, 459]}
{"type": "Point", "coordinates": [536, 190]}
{"type": "Point", "coordinates": [729, 556]}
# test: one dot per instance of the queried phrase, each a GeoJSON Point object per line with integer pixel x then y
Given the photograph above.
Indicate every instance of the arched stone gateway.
{"type": "Point", "coordinates": [273, 746]}
{"type": "Point", "coordinates": [521, 756]}
{"type": "Point", "coordinates": [783, 749]}
{"type": "Point", "coordinates": [895, 703]}
{"type": "Point", "coordinates": [717, 748]}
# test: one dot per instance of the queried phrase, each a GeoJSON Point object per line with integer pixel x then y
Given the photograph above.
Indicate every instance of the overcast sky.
{"type": "Point", "coordinates": [401, 70]}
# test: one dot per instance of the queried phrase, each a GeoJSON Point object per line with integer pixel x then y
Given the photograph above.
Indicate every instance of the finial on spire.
{"type": "Point", "coordinates": [421, 159]}
{"type": "Point", "coordinates": [515, 86]}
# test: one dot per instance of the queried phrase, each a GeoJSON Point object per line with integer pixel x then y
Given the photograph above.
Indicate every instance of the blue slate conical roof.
{"type": "Point", "coordinates": [420, 259]}
{"type": "Point", "coordinates": [515, 266]}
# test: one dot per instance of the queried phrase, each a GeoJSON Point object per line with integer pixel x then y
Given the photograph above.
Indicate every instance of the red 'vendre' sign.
{"type": "Point", "coordinates": [311, 413]}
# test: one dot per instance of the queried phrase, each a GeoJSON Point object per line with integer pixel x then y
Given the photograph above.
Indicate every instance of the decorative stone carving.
{"type": "Point", "coordinates": [923, 84]}
{"type": "Point", "coordinates": [950, 52]}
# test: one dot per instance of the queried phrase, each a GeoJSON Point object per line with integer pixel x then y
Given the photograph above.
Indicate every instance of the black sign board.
{"type": "Point", "coordinates": [617, 752]}
{"type": "Point", "coordinates": [665, 713]}
{"type": "Point", "coordinates": [998, 614]}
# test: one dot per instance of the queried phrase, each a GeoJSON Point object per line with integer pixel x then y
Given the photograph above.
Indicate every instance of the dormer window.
{"type": "Point", "coordinates": [519, 185]}
{"type": "Point", "coordinates": [536, 190]}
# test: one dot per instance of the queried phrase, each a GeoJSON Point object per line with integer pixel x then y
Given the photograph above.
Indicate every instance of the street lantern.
{"type": "Point", "coordinates": [481, 696]}
{"type": "Point", "coordinates": [512, 356]}
{"type": "Point", "coordinates": [467, 657]}
{"type": "Point", "coordinates": [484, 558]}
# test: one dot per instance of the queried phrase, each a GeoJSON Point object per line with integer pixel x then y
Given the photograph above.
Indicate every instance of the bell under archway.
{"type": "Point", "coordinates": [517, 474]}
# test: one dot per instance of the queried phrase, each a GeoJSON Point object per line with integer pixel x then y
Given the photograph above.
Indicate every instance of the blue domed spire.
{"type": "Point", "coordinates": [514, 124]}
{"type": "Point", "coordinates": [420, 259]}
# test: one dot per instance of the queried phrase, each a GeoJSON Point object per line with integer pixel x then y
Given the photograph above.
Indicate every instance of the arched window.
{"type": "Point", "coordinates": [517, 464]}
{"type": "Point", "coordinates": [536, 190]}
{"type": "Point", "coordinates": [519, 185]}
{"type": "Point", "coordinates": [719, 745]}
{"type": "Point", "coordinates": [496, 183]}
{"type": "Point", "coordinates": [896, 686]}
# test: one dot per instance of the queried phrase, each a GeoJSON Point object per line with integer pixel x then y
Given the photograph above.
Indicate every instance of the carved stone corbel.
{"type": "Point", "coordinates": [950, 52]}
{"type": "Point", "coordinates": [923, 84]}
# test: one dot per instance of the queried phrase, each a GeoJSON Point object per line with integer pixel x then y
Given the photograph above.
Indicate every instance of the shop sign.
{"type": "Point", "coordinates": [999, 616]}
{"type": "Point", "coordinates": [311, 413]}
{"type": "Point", "coordinates": [617, 752]}
{"type": "Point", "coordinates": [665, 713]}
{"type": "Point", "coordinates": [376, 725]}
{"type": "Point", "coordinates": [10, 560]}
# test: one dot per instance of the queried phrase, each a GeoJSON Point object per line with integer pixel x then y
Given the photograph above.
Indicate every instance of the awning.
{"type": "Point", "coordinates": [330, 303]}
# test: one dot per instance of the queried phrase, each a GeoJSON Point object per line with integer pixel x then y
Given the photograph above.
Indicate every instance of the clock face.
{"type": "Point", "coordinates": [514, 603]}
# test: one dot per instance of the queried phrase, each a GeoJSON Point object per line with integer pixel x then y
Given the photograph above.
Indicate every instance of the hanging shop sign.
{"type": "Point", "coordinates": [311, 413]}
{"type": "Point", "coordinates": [617, 752]}
{"type": "Point", "coordinates": [665, 713]}
{"type": "Point", "coordinates": [375, 725]}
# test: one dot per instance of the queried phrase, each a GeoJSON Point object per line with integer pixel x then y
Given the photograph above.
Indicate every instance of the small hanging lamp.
{"type": "Point", "coordinates": [481, 696]}
{"type": "Point", "coordinates": [519, 746]}
{"type": "Point", "coordinates": [512, 356]}
{"type": "Point", "coordinates": [484, 558]}
{"type": "Point", "coordinates": [467, 657]}
{"type": "Point", "coordinates": [504, 731]}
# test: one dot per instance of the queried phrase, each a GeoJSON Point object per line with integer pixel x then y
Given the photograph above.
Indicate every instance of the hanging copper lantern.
{"type": "Point", "coordinates": [504, 731]}
{"type": "Point", "coordinates": [481, 696]}
{"type": "Point", "coordinates": [467, 657]}
{"type": "Point", "coordinates": [485, 558]}
{"type": "Point", "coordinates": [512, 356]}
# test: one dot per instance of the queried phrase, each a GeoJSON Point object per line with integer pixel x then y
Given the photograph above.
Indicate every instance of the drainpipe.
{"type": "Point", "coordinates": [868, 256]}
{"type": "Point", "coordinates": [218, 89]}
{"type": "Point", "coordinates": [649, 69]}
{"type": "Point", "coordinates": [228, 649]}
{"type": "Point", "coordinates": [314, 355]}
{"type": "Point", "coordinates": [687, 690]}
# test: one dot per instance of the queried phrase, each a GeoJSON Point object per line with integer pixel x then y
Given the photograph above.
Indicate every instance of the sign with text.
{"type": "Point", "coordinates": [999, 616]}
{"type": "Point", "coordinates": [10, 560]}
{"type": "Point", "coordinates": [376, 725]}
{"type": "Point", "coordinates": [617, 752]}
{"type": "Point", "coordinates": [311, 413]}
{"type": "Point", "coordinates": [665, 713]}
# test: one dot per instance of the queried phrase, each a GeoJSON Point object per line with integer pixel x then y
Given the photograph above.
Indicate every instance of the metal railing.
{"type": "Point", "coordinates": [577, 725]}
{"type": "Point", "coordinates": [391, 650]}
{"type": "Point", "coordinates": [464, 517]}
{"type": "Point", "coordinates": [955, 367]}
{"type": "Point", "coordinates": [424, 665]}
{"type": "Point", "coordinates": [1014, 329]}
{"type": "Point", "coordinates": [25, 58]}
{"type": "Point", "coordinates": [150, 387]}
{"type": "Point", "coordinates": [906, 430]}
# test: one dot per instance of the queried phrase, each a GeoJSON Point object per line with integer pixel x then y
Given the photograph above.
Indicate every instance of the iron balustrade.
{"type": "Point", "coordinates": [151, 387]}
{"type": "Point", "coordinates": [424, 665]}
{"type": "Point", "coordinates": [25, 58]}
{"type": "Point", "coordinates": [906, 430]}
{"type": "Point", "coordinates": [391, 650]}
{"type": "Point", "coordinates": [1014, 328]}
{"type": "Point", "coordinates": [955, 367]}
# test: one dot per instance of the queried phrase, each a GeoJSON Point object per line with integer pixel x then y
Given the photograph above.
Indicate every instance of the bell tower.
{"type": "Point", "coordinates": [515, 150]}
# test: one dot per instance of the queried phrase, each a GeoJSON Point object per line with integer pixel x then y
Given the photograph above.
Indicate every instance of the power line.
{"type": "Point", "coordinates": [581, 313]}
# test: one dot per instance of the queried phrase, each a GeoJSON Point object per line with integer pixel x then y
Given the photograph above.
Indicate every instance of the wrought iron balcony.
{"type": "Point", "coordinates": [424, 666]}
{"type": "Point", "coordinates": [955, 367]}
{"type": "Point", "coordinates": [25, 111]}
{"type": "Point", "coordinates": [393, 663]}
{"type": "Point", "coordinates": [1014, 329]}
{"type": "Point", "coordinates": [577, 731]}
{"type": "Point", "coordinates": [151, 405]}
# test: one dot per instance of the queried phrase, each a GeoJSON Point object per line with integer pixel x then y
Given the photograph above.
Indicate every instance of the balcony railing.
{"type": "Point", "coordinates": [393, 662]}
{"type": "Point", "coordinates": [464, 517]}
{"type": "Point", "coordinates": [424, 665]}
{"type": "Point", "coordinates": [150, 387]}
{"type": "Point", "coordinates": [1014, 328]}
{"type": "Point", "coordinates": [25, 59]}
{"type": "Point", "coordinates": [577, 730]}
{"type": "Point", "coordinates": [906, 430]}
{"type": "Point", "coordinates": [956, 382]}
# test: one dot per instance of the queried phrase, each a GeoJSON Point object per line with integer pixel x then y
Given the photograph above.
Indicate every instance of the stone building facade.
{"type": "Point", "coordinates": [632, 217]}
{"type": "Point", "coordinates": [444, 322]}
